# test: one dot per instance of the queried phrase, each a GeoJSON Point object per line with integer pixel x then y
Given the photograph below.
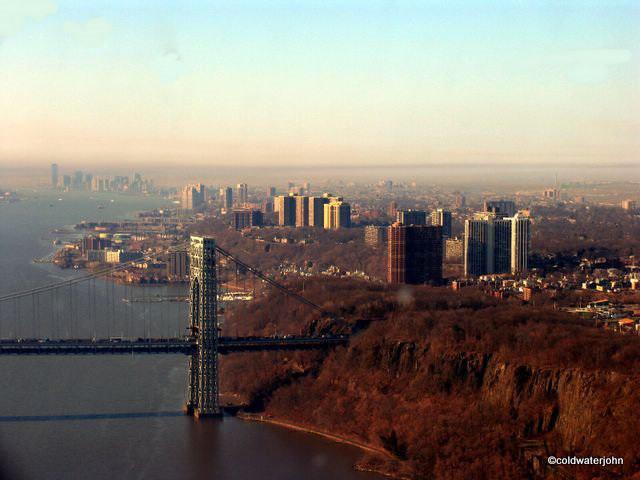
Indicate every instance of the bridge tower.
{"type": "Point", "coordinates": [202, 398]}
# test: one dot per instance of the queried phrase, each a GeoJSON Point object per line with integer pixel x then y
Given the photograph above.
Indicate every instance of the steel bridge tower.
{"type": "Point", "coordinates": [202, 398]}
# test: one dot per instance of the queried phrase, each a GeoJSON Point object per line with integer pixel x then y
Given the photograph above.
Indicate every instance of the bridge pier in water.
{"type": "Point", "coordinates": [203, 344]}
{"type": "Point", "coordinates": [202, 401]}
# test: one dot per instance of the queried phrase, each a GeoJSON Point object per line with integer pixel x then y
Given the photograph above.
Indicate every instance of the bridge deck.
{"type": "Point", "coordinates": [163, 346]}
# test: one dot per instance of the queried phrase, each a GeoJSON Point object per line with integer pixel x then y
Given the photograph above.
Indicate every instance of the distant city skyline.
{"type": "Point", "coordinates": [346, 82]}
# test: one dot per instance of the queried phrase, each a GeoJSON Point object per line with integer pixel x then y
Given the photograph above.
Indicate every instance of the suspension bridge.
{"type": "Point", "coordinates": [92, 315]}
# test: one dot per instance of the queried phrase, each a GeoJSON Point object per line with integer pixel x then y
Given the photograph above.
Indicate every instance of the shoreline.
{"type": "Point", "coordinates": [361, 467]}
{"type": "Point", "coordinates": [322, 433]}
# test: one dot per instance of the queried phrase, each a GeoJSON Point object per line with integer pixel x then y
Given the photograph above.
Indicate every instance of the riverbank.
{"type": "Point", "coordinates": [381, 461]}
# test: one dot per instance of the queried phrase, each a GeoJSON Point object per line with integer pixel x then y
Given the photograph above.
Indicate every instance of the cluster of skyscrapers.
{"type": "Point", "coordinates": [496, 240]}
{"type": "Point", "coordinates": [89, 182]}
{"type": "Point", "coordinates": [296, 209]}
{"type": "Point", "coordinates": [326, 211]}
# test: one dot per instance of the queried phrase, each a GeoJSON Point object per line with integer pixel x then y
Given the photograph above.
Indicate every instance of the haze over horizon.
{"type": "Point", "coordinates": [358, 83]}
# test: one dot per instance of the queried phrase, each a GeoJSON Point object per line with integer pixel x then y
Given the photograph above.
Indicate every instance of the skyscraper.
{"type": "Point", "coordinates": [414, 254]}
{"type": "Point", "coordinates": [476, 241]}
{"type": "Point", "coordinates": [193, 197]}
{"type": "Point", "coordinates": [178, 265]}
{"type": "Point", "coordinates": [316, 211]}
{"type": "Point", "coordinates": [411, 217]}
{"type": "Point", "coordinates": [502, 235]}
{"type": "Point", "coordinates": [505, 207]}
{"type": "Point", "coordinates": [54, 175]}
{"type": "Point", "coordinates": [245, 218]}
{"type": "Point", "coordinates": [302, 211]}
{"type": "Point", "coordinates": [242, 191]}
{"type": "Point", "coordinates": [337, 214]}
{"type": "Point", "coordinates": [496, 244]}
{"type": "Point", "coordinates": [226, 197]}
{"type": "Point", "coordinates": [441, 217]}
{"type": "Point", "coordinates": [520, 243]}
{"type": "Point", "coordinates": [375, 236]}
{"type": "Point", "coordinates": [393, 208]}
{"type": "Point", "coordinates": [286, 207]}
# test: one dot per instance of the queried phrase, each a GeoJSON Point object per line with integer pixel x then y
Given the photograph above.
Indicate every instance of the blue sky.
{"type": "Point", "coordinates": [319, 81]}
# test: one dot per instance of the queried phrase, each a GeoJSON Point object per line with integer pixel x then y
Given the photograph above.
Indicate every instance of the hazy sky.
{"type": "Point", "coordinates": [344, 81]}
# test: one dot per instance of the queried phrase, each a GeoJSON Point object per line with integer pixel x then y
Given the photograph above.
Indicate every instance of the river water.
{"type": "Point", "coordinates": [118, 417]}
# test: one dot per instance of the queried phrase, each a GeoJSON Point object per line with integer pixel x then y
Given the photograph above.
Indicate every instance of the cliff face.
{"type": "Point", "coordinates": [591, 412]}
{"type": "Point", "coordinates": [575, 404]}
{"type": "Point", "coordinates": [417, 404]}
{"type": "Point", "coordinates": [456, 389]}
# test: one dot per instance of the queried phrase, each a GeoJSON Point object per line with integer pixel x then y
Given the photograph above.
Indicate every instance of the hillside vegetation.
{"type": "Point", "coordinates": [456, 385]}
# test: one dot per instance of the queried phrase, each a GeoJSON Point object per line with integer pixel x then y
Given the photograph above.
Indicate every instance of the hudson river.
{"type": "Point", "coordinates": [86, 417]}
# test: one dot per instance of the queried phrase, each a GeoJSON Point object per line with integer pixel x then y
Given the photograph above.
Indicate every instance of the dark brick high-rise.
{"type": "Point", "coordinates": [414, 254]}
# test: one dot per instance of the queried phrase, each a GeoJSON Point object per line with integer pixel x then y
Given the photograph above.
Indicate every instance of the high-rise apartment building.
{"type": "Point", "coordinates": [242, 194]}
{"type": "Point", "coordinates": [246, 218]}
{"type": "Point", "coordinates": [496, 244]}
{"type": "Point", "coordinates": [375, 236]}
{"type": "Point", "coordinates": [630, 205]}
{"type": "Point", "coordinates": [453, 249]}
{"type": "Point", "coordinates": [520, 243]}
{"type": "Point", "coordinates": [442, 218]}
{"type": "Point", "coordinates": [506, 208]}
{"type": "Point", "coordinates": [91, 242]}
{"type": "Point", "coordinates": [193, 197]}
{"type": "Point", "coordinates": [226, 197]}
{"type": "Point", "coordinates": [337, 214]}
{"type": "Point", "coordinates": [54, 175]}
{"type": "Point", "coordinates": [302, 211]}
{"type": "Point", "coordinates": [316, 211]}
{"type": "Point", "coordinates": [501, 251]}
{"type": "Point", "coordinates": [393, 209]}
{"type": "Point", "coordinates": [188, 197]}
{"type": "Point", "coordinates": [414, 254]}
{"type": "Point", "coordinates": [285, 205]}
{"type": "Point", "coordinates": [476, 241]}
{"type": "Point", "coordinates": [178, 265]}
{"type": "Point", "coordinates": [411, 217]}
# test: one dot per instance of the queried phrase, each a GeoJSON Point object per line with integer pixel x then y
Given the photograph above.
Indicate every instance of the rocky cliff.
{"type": "Point", "coordinates": [465, 393]}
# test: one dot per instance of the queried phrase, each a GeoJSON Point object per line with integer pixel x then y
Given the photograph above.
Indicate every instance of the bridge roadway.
{"type": "Point", "coordinates": [164, 345]}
